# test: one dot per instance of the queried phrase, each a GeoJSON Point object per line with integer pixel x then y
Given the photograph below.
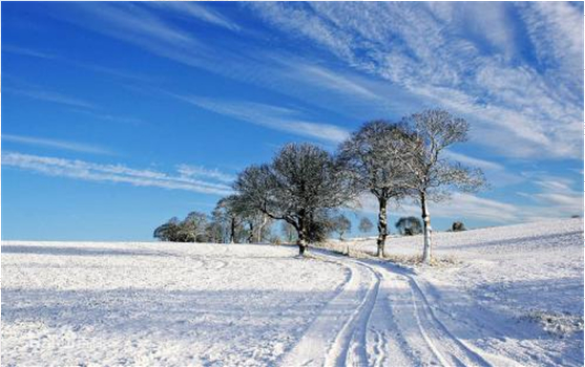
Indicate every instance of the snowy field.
{"type": "Point", "coordinates": [507, 296]}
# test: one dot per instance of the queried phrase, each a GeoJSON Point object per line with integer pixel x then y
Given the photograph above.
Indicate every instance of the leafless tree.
{"type": "Point", "coordinates": [432, 177]}
{"type": "Point", "coordinates": [301, 181]}
{"type": "Point", "coordinates": [227, 214]}
{"type": "Point", "coordinates": [341, 225]}
{"type": "Point", "coordinates": [373, 155]}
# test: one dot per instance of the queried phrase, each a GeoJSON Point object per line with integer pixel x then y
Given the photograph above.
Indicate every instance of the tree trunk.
{"type": "Point", "coordinates": [233, 231]}
{"type": "Point", "coordinates": [426, 217]}
{"type": "Point", "coordinates": [302, 237]}
{"type": "Point", "coordinates": [259, 236]}
{"type": "Point", "coordinates": [382, 227]}
{"type": "Point", "coordinates": [251, 234]}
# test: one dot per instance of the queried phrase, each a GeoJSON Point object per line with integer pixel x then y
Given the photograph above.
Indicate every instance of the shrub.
{"type": "Point", "coordinates": [458, 227]}
{"type": "Point", "coordinates": [409, 226]}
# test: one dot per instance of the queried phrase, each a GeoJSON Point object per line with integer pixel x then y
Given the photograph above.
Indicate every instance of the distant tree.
{"type": "Point", "coordinates": [227, 215]}
{"type": "Point", "coordinates": [409, 226]}
{"type": "Point", "coordinates": [302, 181]}
{"type": "Point", "coordinates": [341, 225]}
{"type": "Point", "coordinates": [168, 231]}
{"type": "Point", "coordinates": [193, 229]}
{"type": "Point", "coordinates": [431, 176]}
{"type": "Point", "coordinates": [575, 216]}
{"type": "Point", "coordinates": [215, 231]}
{"type": "Point", "coordinates": [458, 227]}
{"type": "Point", "coordinates": [373, 156]}
{"type": "Point", "coordinates": [320, 227]}
{"type": "Point", "coordinates": [256, 224]}
{"type": "Point", "coordinates": [365, 225]}
{"type": "Point", "coordinates": [275, 239]}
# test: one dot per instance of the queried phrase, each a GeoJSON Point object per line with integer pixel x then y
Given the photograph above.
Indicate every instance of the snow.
{"type": "Point", "coordinates": [508, 296]}
{"type": "Point", "coordinates": [157, 303]}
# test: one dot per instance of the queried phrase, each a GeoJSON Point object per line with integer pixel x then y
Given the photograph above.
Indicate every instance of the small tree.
{"type": "Point", "coordinates": [409, 226]}
{"type": "Point", "coordinates": [458, 227]}
{"type": "Point", "coordinates": [301, 182]}
{"type": "Point", "coordinates": [431, 176]}
{"type": "Point", "coordinates": [365, 225]}
{"type": "Point", "coordinates": [341, 225]}
{"type": "Point", "coordinates": [373, 155]}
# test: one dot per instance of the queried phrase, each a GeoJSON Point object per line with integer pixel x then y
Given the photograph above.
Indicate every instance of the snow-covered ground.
{"type": "Point", "coordinates": [509, 296]}
{"type": "Point", "coordinates": [514, 291]}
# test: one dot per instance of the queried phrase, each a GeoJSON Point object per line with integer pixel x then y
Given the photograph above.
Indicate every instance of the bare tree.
{"type": "Point", "coordinates": [373, 155]}
{"type": "Point", "coordinates": [301, 181]}
{"type": "Point", "coordinates": [341, 225]}
{"type": "Point", "coordinates": [365, 225]}
{"type": "Point", "coordinates": [255, 221]}
{"type": "Point", "coordinates": [227, 213]}
{"type": "Point", "coordinates": [431, 176]}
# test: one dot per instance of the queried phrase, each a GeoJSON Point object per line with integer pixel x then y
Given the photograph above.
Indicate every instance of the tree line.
{"type": "Point", "coordinates": [304, 185]}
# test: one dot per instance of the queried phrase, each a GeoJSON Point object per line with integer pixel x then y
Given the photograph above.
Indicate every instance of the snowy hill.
{"type": "Point", "coordinates": [509, 296]}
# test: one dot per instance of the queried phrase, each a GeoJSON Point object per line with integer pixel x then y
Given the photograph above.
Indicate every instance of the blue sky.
{"type": "Point", "coordinates": [118, 116]}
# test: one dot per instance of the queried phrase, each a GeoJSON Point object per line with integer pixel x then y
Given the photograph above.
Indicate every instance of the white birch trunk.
{"type": "Point", "coordinates": [426, 217]}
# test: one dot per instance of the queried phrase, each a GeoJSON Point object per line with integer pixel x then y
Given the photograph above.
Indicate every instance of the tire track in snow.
{"type": "Point", "coordinates": [378, 332]}
{"type": "Point", "coordinates": [203, 261]}
{"type": "Point", "coordinates": [329, 334]}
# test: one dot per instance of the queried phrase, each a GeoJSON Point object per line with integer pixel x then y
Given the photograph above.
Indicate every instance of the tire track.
{"type": "Point", "coordinates": [375, 334]}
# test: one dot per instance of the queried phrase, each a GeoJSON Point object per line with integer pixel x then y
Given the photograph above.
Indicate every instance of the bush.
{"type": "Point", "coordinates": [409, 226]}
{"type": "Point", "coordinates": [458, 227]}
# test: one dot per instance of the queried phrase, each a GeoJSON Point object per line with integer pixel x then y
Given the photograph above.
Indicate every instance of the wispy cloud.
{"type": "Point", "coordinates": [51, 96]}
{"type": "Point", "coordinates": [198, 171]}
{"type": "Point", "coordinates": [59, 144]}
{"type": "Point", "coordinates": [115, 173]}
{"type": "Point", "coordinates": [27, 52]}
{"type": "Point", "coordinates": [557, 197]}
{"type": "Point", "coordinates": [273, 117]}
{"type": "Point", "coordinates": [471, 59]}
{"type": "Point", "coordinates": [197, 11]}
{"type": "Point", "coordinates": [476, 162]}
{"type": "Point", "coordinates": [433, 51]}
{"type": "Point", "coordinates": [135, 24]}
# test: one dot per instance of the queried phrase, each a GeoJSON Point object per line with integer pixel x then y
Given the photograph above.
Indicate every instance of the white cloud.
{"type": "Point", "coordinates": [51, 96]}
{"type": "Point", "coordinates": [117, 173]}
{"type": "Point", "coordinates": [198, 11]}
{"type": "Point", "coordinates": [470, 59]}
{"type": "Point", "coordinates": [273, 117]}
{"type": "Point", "coordinates": [475, 162]}
{"type": "Point", "coordinates": [27, 52]}
{"type": "Point", "coordinates": [59, 144]}
{"type": "Point", "coordinates": [438, 52]}
{"type": "Point", "coordinates": [199, 171]}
